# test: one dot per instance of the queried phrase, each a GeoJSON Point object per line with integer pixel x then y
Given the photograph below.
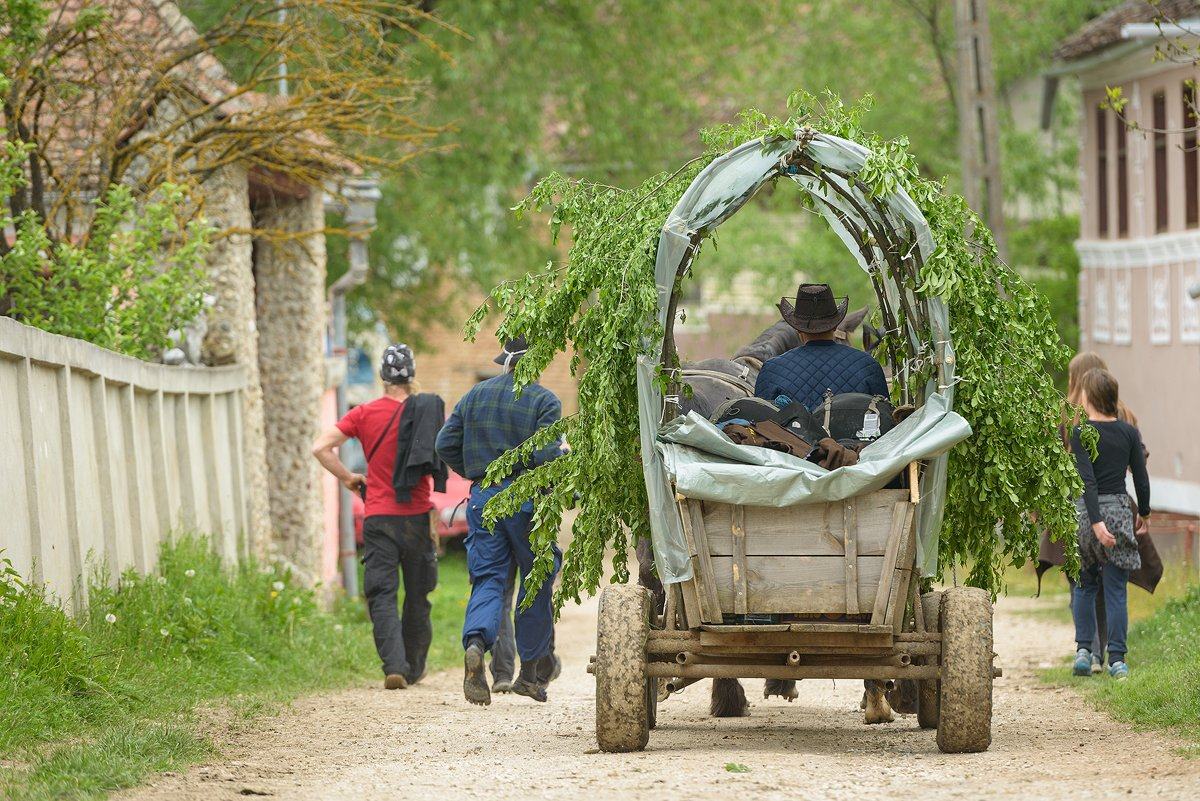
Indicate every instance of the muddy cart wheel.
{"type": "Point", "coordinates": [622, 687]}
{"type": "Point", "coordinates": [927, 690]}
{"type": "Point", "coordinates": [965, 715]}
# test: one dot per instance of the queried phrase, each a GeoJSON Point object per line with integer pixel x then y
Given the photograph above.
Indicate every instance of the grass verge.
{"type": "Point", "coordinates": [1163, 688]}
{"type": "Point", "coordinates": [133, 686]}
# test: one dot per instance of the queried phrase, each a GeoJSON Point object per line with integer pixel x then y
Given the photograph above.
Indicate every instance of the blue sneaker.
{"type": "Point", "coordinates": [1119, 670]}
{"type": "Point", "coordinates": [1083, 662]}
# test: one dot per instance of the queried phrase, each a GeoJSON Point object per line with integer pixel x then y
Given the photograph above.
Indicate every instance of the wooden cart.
{"type": "Point", "coordinates": [841, 580]}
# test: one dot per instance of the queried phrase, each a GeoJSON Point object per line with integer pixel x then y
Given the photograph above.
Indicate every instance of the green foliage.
{"type": "Point", "coordinates": [93, 703]}
{"type": "Point", "coordinates": [600, 303]}
{"type": "Point", "coordinates": [139, 275]}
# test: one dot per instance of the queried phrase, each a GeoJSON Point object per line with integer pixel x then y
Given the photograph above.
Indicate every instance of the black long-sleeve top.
{"type": "Point", "coordinates": [1119, 450]}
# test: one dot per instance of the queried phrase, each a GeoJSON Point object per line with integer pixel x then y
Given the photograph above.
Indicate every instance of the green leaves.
{"type": "Point", "coordinates": [140, 275]}
{"type": "Point", "coordinates": [1007, 483]}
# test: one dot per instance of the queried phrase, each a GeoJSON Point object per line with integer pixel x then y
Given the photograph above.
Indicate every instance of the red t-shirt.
{"type": "Point", "coordinates": [367, 423]}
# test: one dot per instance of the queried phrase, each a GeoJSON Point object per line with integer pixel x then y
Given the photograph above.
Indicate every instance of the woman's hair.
{"type": "Point", "coordinates": [1100, 389]}
{"type": "Point", "coordinates": [1083, 362]}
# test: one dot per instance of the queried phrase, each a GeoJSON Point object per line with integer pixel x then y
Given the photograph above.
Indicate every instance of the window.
{"type": "Point", "coordinates": [1122, 181]}
{"type": "Point", "coordinates": [1159, 123]}
{"type": "Point", "coordinates": [1190, 176]}
{"type": "Point", "coordinates": [1102, 172]}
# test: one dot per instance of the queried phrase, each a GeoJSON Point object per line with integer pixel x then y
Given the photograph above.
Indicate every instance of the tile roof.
{"type": "Point", "coordinates": [1105, 30]}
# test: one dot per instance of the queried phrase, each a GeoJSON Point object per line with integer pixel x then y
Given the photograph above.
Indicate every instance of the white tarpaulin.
{"type": "Point", "coordinates": [683, 450]}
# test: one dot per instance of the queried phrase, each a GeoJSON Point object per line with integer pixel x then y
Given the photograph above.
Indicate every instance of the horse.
{"type": "Point", "coordinates": [712, 382]}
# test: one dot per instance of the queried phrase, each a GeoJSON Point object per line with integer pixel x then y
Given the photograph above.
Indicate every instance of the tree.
{"type": "Point", "coordinates": [600, 304]}
{"type": "Point", "coordinates": [101, 94]}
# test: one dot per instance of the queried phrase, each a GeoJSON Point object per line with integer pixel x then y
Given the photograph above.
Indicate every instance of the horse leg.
{"type": "Point", "coordinates": [646, 576]}
{"type": "Point", "coordinates": [875, 704]}
{"type": "Point", "coordinates": [728, 699]}
{"type": "Point", "coordinates": [784, 688]}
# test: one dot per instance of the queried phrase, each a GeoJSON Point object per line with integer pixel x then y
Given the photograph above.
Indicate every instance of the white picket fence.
{"type": "Point", "coordinates": [105, 456]}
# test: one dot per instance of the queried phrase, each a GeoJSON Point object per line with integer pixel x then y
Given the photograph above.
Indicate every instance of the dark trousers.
{"type": "Point", "coordinates": [1101, 640]}
{"type": "Point", "coordinates": [1111, 582]}
{"type": "Point", "coordinates": [504, 650]}
{"type": "Point", "coordinates": [395, 545]}
{"type": "Point", "coordinates": [489, 557]}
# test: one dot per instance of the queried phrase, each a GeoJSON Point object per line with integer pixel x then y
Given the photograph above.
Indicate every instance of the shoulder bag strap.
{"type": "Point", "coordinates": [383, 435]}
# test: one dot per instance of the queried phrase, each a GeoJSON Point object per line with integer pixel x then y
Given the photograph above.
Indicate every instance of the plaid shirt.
{"type": "Point", "coordinates": [490, 420]}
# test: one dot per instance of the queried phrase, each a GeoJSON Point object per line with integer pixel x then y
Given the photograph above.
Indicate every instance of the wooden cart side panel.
{"type": "Point", "coordinates": [810, 530]}
{"type": "Point", "coordinates": [691, 515]}
{"type": "Point", "coordinates": [905, 564]}
{"type": "Point", "coordinates": [892, 560]}
{"type": "Point", "coordinates": [797, 584]}
{"type": "Point", "coordinates": [850, 559]}
{"type": "Point", "coordinates": [740, 567]}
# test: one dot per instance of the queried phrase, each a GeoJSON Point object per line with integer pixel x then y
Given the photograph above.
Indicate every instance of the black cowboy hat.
{"type": "Point", "coordinates": [816, 311]}
{"type": "Point", "coordinates": [513, 349]}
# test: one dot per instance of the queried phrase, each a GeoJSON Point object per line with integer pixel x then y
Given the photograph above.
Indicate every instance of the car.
{"type": "Point", "coordinates": [450, 510]}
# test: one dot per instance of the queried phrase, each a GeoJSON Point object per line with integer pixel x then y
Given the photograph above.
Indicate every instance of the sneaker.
{"type": "Point", "coordinates": [1083, 662]}
{"type": "Point", "coordinates": [1119, 670]}
{"type": "Point", "coordinates": [1097, 665]}
{"type": "Point", "coordinates": [475, 686]}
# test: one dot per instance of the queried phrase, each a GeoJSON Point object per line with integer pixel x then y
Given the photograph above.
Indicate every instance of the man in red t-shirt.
{"type": "Point", "coordinates": [396, 534]}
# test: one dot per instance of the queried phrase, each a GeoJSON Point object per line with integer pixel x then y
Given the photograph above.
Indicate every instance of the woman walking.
{"type": "Point", "coordinates": [1108, 547]}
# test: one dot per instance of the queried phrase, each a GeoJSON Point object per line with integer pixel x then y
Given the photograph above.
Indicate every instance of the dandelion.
{"type": "Point", "coordinates": [274, 594]}
{"type": "Point", "coordinates": [295, 602]}
{"type": "Point", "coordinates": [162, 579]}
{"type": "Point", "coordinates": [277, 586]}
{"type": "Point", "coordinates": [164, 632]}
{"type": "Point", "coordinates": [189, 573]}
{"type": "Point", "coordinates": [110, 618]}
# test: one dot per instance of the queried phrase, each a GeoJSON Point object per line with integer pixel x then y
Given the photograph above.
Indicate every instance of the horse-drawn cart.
{"type": "Point", "coordinates": [773, 567]}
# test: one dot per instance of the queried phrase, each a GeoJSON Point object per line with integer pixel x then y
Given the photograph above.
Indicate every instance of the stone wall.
{"type": "Point", "coordinates": [232, 336]}
{"type": "Point", "coordinates": [290, 268]}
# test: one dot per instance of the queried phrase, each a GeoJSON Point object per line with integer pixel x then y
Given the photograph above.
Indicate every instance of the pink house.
{"type": "Point", "coordinates": [1139, 244]}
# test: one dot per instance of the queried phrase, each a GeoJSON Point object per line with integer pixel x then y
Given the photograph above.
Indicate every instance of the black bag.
{"type": "Point", "coordinates": [855, 416]}
{"type": "Point", "coordinates": [751, 409]}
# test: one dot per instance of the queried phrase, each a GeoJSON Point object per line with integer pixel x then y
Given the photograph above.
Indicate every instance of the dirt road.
{"type": "Point", "coordinates": [427, 743]}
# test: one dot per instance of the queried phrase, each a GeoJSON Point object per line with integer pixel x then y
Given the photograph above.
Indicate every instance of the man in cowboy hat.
{"type": "Point", "coordinates": [820, 364]}
{"type": "Point", "coordinates": [490, 420]}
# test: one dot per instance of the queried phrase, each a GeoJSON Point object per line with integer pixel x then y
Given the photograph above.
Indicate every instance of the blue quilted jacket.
{"type": "Point", "coordinates": [805, 373]}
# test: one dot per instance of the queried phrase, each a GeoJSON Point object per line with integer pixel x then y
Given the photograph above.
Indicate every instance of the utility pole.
{"type": "Point", "coordinates": [978, 128]}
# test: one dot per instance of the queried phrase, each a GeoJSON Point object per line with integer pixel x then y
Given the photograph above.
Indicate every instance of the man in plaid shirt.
{"type": "Point", "coordinates": [489, 420]}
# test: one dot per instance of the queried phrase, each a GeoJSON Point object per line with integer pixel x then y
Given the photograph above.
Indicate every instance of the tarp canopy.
{"type": "Point", "coordinates": [691, 451]}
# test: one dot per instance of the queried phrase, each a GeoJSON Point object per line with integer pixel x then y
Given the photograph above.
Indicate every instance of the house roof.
{"type": "Point", "coordinates": [1105, 30]}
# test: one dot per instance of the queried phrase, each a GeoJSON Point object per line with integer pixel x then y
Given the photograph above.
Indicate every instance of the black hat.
{"type": "Point", "coordinates": [399, 366]}
{"type": "Point", "coordinates": [513, 349]}
{"type": "Point", "coordinates": [816, 311]}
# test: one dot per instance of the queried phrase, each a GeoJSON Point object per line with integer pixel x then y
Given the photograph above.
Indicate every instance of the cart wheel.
{"type": "Point", "coordinates": [965, 715]}
{"type": "Point", "coordinates": [927, 690]}
{"type": "Point", "coordinates": [623, 709]}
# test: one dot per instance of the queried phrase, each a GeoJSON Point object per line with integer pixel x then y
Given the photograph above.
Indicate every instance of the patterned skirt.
{"type": "Point", "coordinates": [1118, 516]}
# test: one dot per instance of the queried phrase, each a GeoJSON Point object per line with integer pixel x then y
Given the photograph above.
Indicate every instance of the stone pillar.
{"type": "Point", "coordinates": [290, 265]}
{"type": "Point", "coordinates": [232, 336]}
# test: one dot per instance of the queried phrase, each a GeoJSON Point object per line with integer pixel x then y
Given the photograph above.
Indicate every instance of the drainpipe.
{"type": "Point", "coordinates": [356, 199]}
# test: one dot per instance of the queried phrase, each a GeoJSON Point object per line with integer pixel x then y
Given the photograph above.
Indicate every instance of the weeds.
{"type": "Point", "coordinates": [98, 702]}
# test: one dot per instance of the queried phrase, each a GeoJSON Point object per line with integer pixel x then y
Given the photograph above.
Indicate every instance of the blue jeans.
{"type": "Point", "coordinates": [1083, 608]}
{"type": "Point", "coordinates": [489, 555]}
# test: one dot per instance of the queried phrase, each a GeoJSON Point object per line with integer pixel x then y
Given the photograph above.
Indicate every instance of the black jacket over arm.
{"type": "Point", "coordinates": [420, 422]}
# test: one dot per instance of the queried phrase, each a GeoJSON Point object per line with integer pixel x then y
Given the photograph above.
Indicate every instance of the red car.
{"type": "Point", "coordinates": [449, 506]}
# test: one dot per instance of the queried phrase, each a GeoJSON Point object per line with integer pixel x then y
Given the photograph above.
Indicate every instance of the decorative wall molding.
{"type": "Point", "coordinates": [1114, 254]}
{"type": "Point", "coordinates": [1122, 306]}
{"type": "Point", "coordinates": [1160, 304]}
{"type": "Point", "coordinates": [1189, 309]}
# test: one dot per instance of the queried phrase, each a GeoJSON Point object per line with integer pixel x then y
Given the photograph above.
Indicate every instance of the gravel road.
{"type": "Point", "coordinates": [428, 743]}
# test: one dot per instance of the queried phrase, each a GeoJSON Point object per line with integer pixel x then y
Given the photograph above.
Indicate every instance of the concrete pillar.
{"type": "Point", "coordinates": [232, 336]}
{"type": "Point", "coordinates": [290, 265]}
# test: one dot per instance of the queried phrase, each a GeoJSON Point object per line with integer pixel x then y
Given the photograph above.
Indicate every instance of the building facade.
{"type": "Point", "coordinates": [1139, 244]}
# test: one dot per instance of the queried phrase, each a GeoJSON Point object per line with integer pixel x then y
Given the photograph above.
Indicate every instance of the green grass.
{"type": "Point", "coordinates": [1163, 689]}
{"type": "Point", "coordinates": [132, 686]}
